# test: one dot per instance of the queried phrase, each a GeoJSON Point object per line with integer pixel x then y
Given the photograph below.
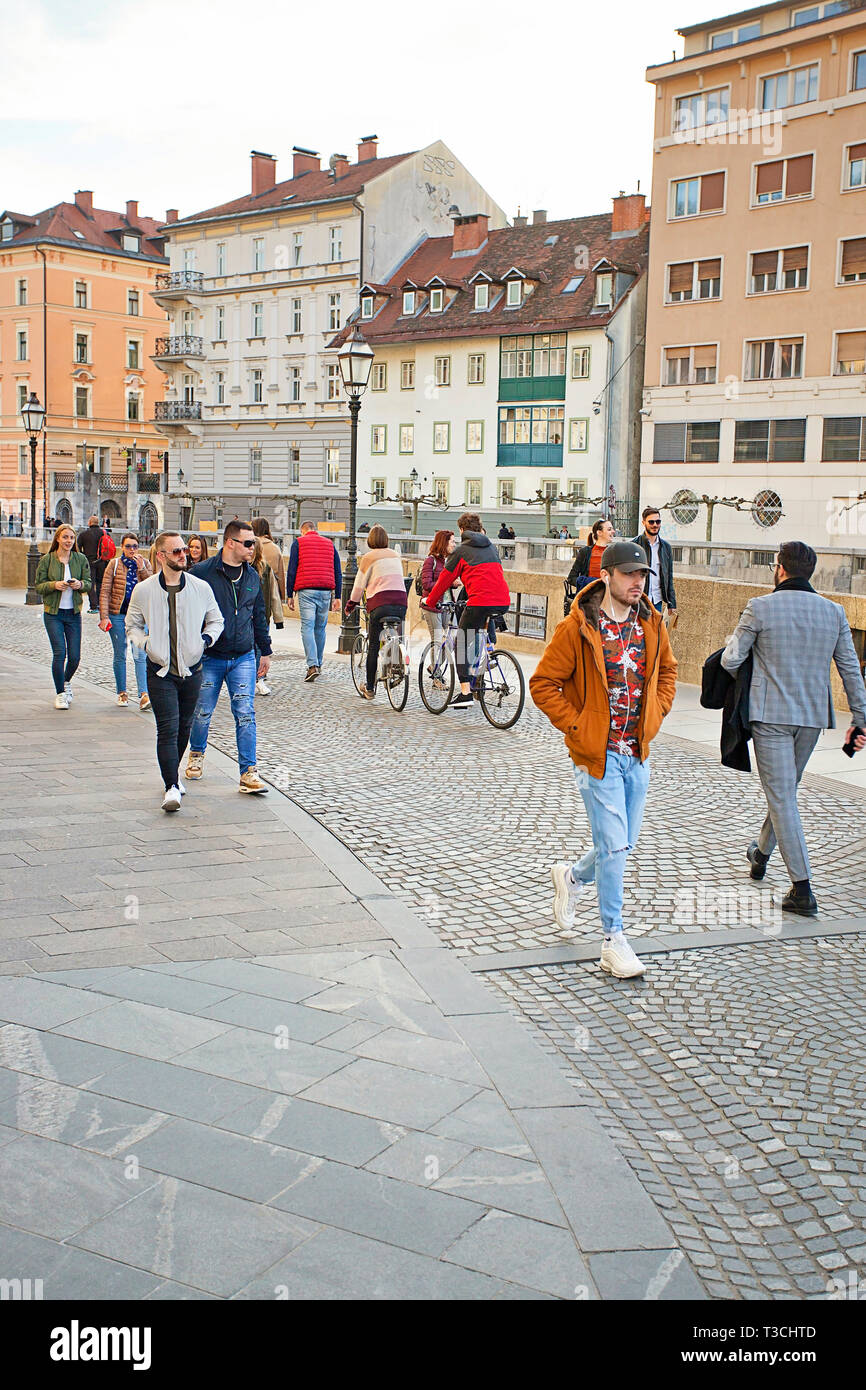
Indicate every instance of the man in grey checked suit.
{"type": "Point", "coordinates": [793, 634]}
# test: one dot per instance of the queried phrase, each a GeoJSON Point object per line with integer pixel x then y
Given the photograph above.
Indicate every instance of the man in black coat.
{"type": "Point", "coordinates": [660, 580]}
{"type": "Point", "coordinates": [89, 542]}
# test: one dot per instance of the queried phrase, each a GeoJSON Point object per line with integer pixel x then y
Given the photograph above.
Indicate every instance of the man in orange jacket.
{"type": "Point", "coordinates": [607, 680]}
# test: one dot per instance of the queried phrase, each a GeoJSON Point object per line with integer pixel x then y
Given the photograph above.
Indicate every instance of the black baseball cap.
{"type": "Point", "coordinates": [625, 556]}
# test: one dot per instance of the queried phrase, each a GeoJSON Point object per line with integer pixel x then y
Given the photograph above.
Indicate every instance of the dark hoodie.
{"type": "Point", "coordinates": [477, 564]}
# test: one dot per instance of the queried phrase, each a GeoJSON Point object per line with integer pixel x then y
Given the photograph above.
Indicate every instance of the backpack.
{"type": "Point", "coordinates": [107, 548]}
{"type": "Point", "coordinates": [419, 588]}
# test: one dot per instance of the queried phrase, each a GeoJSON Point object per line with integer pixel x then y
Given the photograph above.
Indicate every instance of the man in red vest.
{"type": "Point", "coordinates": [315, 575]}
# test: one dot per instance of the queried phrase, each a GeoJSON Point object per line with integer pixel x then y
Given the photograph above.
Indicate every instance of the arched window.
{"type": "Point", "coordinates": [147, 523]}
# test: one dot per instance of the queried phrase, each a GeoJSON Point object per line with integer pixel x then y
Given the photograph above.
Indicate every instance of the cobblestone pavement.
{"type": "Point", "coordinates": [732, 1080]}
{"type": "Point", "coordinates": [475, 817]}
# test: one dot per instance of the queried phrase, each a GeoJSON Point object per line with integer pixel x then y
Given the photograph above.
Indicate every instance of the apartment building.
{"type": "Point", "coordinates": [508, 370]}
{"type": "Point", "coordinates": [258, 287]}
{"type": "Point", "coordinates": [755, 382]}
{"type": "Point", "coordinates": [78, 327]}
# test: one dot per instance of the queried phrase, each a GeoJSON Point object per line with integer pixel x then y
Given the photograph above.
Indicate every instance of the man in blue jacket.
{"type": "Point", "coordinates": [232, 658]}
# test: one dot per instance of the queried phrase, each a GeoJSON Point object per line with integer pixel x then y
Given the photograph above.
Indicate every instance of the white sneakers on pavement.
{"type": "Point", "coordinates": [171, 800]}
{"type": "Point", "coordinates": [68, 692]}
{"type": "Point", "coordinates": [262, 688]}
{"type": "Point", "coordinates": [565, 895]}
{"type": "Point", "coordinates": [61, 701]}
{"type": "Point", "coordinates": [618, 958]}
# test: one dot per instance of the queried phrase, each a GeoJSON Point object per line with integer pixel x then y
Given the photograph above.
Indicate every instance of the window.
{"type": "Point", "coordinates": [850, 356]}
{"type": "Point", "coordinates": [474, 436]}
{"type": "Point", "coordinates": [442, 437]}
{"type": "Point", "coordinates": [133, 353]}
{"type": "Point", "coordinates": [858, 72]}
{"type": "Point", "coordinates": [533, 355]}
{"type": "Point", "coordinates": [332, 465]}
{"type": "Point", "coordinates": [697, 442]}
{"type": "Point", "coordinates": [257, 379]}
{"type": "Point", "coordinates": [813, 12]}
{"type": "Point", "coordinates": [577, 436]}
{"type": "Point", "coordinates": [188, 323]}
{"type": "Point", "coordinates": [506, 492]}
{"type": "Point", "coordinates": [405, 489]}
{"type": "Point", "coordinates": [852, 266]}
{"type": "Point", "coordinates": [294, 473]}
{"type": "Point", "coordinates": [531, 434]}
{"type": "Point", "coordinates": [188, 389]}
{"type": "Point", "coordinates": [774, 358]}
{"type": "Point", "coordinates": [690, 366]}
{"type": "Point", "coordinates": [367, 306]}
{"type": "Point", "coordinates": [221, 258]}
{"type": "Point", "coordinates": [332, 377]}
{"type": "Point", "coordinates": [23, 459]}
{"type": "Point", "coordinates": [440, 490]}
{"type": "Point", "coordinates": [766, 509]}
{"type": "Point", "coordinates": [255, 467]}
{"type": "Point", "coordinates": [82, 347]}
{"type": "Point", "coordinates": [473, 492]}
{"type": "Point", "coordinates": [379, 376]}
{"type": "Point", "coordinates": [855, 166]}
{"type": "Point", "coordinates": [482, 294]}
{"type": "Point", "coordinates": [133, 304]}
{"type": "Point", "coordinates": [437, 300]}
{"type": "Point", "coordinates": [21, 347]}
{"type": "Point", "coordinates": [407, 376]}
{"type": "Point", "coordinates": [844, 439]}
{"type": "Point", "coordinates": [781, 179]}
{"type": "Point", "coordinates": [769, 441]}
{"type": "Point", "coordinates": [574, 283]}
{"type": "Point", "coordinates": [377, 490]}
{"type": "Point", "coordinates": [725, 37]}
{"type": "Point", "coordinates": [335, 243]}
{"type": "Point", "coordinates": [297, 248]}
{"type": "Point", "coordinates": [580, 357]}
{"type": "Point", "coordinates": [694, 280]}
{"type": "Point", "coordinates": [604, 289]}
{"type": "Point", "coordinates": [82, 402]}
{"type": "Point", "coordinates": [220, 324]}
{"type": "Point", "coordinates": [779, 270]}
{"type": "Point", "coordinates": [294, 384]}
{"type": "Point", "coordinates": [258, 253]}
{"type": "Point", "coordinates": [685, 506]}
{"type": "Point", "coordinates": [703, 193]}
{"type": "Point", "coordinates": [130, 242]}
{"type": "Point", "coordinates": [8, 230]}
{"type": "Point", "coordinates": [407, 439]}
{"type": "Point", "coordinates": [80, 294]}
{"type": "Point", "coordinates": [334, 313]}
{"type": "Point", "coordinates": [408, 301]}
{"type": "Point", "coordinates": [257, 328]}
{"type": "Point", "coordinates": [189, 258]}
{"type": "Point", "coordinates": [514, 293]}
{"type": "Point", "coordinates": [23, 395]}
{"type": "Point", "coordinates": [297, 321]}
{"type": "Point", "coordinates": [576, 488]}
{"type": "Point", "coordinates": [550, 488]}
{"type": "Point", "coordinates": [378, 439]}
{"type": "Point", "coordinates": [220, 386]}
{"type": "Point", "coordinates": [442, 371]}
{"type": "Point", "coordinates": [789, 88]}
{"type": "Point", "coordinates": [701, 108]}
{"type": "Point", "coordinates": [21, 292]}
{"type": "Point", "coordinates": [476, 368]}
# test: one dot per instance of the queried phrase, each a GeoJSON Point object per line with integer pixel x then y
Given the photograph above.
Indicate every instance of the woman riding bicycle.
{"type": "Point", "coordinates": [476, 562]}
{"type": "Point", "coordinates": [380, 577]}
{"type": "Point", "coordinates": [444, 544]}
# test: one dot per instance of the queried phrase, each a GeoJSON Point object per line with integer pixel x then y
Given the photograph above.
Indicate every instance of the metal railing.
{"type": "Point", "coordinates": [184, 345]}
{"type": "Point", "coordinates": [148, 482]}
{"type": "Point", "coordinates": [63, 481]}
{"type": "Point", "coordinates": [177, 410]}
{"type": "Point", "coordinates": [179, 280]}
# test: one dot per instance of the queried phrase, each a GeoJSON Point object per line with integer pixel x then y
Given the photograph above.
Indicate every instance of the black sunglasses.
{"type": "Point", "coordinates": [653, 523]}
{"type": "Point", "coordinates": [249, 545]}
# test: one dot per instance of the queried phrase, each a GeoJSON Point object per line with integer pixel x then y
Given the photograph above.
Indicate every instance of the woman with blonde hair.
{"type": "Point", "coordinates": [197, 548]}
{"type": "Point", "coordinates": [63, 578]}
{"type": "Point", "coordinates": [273, 602]}
{"type": "Point", "coordinates": [380, 576]}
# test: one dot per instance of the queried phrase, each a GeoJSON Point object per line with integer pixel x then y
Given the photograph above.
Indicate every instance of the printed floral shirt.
{"type": "Point", "coordinates": [625, 663]}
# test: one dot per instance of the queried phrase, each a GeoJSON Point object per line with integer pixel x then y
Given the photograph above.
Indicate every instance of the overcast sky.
{"type": "Point", "coordinates": [545, 104]}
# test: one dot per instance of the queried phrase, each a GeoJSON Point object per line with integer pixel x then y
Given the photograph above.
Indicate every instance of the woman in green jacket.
{"type": "Point", "coordinates": [63, 578]}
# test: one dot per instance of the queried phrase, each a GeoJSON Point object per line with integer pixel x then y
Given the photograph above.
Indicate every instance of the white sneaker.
{"type": "Point", "coordinates": [618, 958]}
{"type": "Point", "coordinates": [171, 800]}
{"type": "Point", "coordinates": [262, 688]}
{"type": "Point", "coordinates": [565, 895]}
{"type": "Point", "coordinates": [61, 701]}
{"type": "Point", "coordinates": [181, 788]}
{"type": "Point", "coordinates": [68, 692]}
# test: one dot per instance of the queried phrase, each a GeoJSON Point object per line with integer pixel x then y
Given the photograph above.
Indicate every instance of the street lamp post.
{"type": "Point", "coordinates": [33, 415]}
{"type": "Point", "coordinates": [355, 359]}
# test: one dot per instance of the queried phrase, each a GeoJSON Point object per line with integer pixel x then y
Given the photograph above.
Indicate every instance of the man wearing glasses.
{"type": "Point", "coordinates": [173, 618]}
{"type": "Point", "coordinates": [660, 580]}
{"type": "Point", "coordinates": [232, 658]}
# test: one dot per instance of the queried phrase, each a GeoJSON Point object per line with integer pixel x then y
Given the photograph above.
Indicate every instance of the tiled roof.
{"type": "Point", "coordinates": [311, 187]}
{"type": "Point", "coordinates": [62, 223]}
{"type": "Point", "coordinates": [581, 242]}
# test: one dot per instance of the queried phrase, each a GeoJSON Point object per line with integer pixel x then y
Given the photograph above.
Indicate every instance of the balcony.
{"type": "Point", "coordinates": [174, 348]}
{"type": "Point", "coordinates": [177, 284]}
{"type": "Point", "coordinates": [174, 412]}
{"type": "Point", "coordinates": [148, 482]}
{"type": "Point", "coordinates": [111, 482]}
{"type": "Point", "coordinates": [532, 388]}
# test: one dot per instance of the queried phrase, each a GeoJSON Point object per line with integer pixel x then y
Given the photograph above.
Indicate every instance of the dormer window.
{"type": "Point", "coordinates": [8, 230]}
{"type": "Point", "coordinates": [408, 301]}
{"type": "Point", "coordinates": [482, 295]}
{"type": "Point", "coordinates": [131, 241]}
{"type": "Point", "coordinates": [514, 294]}
{"type": "Point", "coordinates": [367, 307]}
{"type": "Point", "coordinates": [604, 289]}
{"type": "Point", "coordinates": [437, 301]}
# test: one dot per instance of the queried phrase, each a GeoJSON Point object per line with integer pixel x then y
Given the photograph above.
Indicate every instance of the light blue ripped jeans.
{"type": "Point", "coordinates": [239, 674]}
{"type": "Point", "coordinates": [614, 805]}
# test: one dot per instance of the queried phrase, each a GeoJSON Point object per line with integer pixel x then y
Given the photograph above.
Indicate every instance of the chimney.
{"type": "Point", "coordinates": [264, 172]}
{"type": "Point", "coordinates": [340, 165]}
{"type": "Point", "coordinates": [171, 215]}
{"type": "Point", "coordinates": [304, 162]}
{"type": "Point", "coordinates": [539, 216]}
{"type": "Point", "coordinates": [519, 221]}
{"type": "Point", "coordinates": [629, 214]}
{"type": "Point", "coordinates": [131, 212]}
{"type": "Point", "coordinates": [470, 232]}
{"type": "Point", "coordinates": [367, 146]}
{"type": "Point", "coordinates": [84, 201]}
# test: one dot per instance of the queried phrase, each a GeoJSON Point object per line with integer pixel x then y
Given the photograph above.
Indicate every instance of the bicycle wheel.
{"type": "Point", "coordinates": [397, 678]}
{"type": "Point", "coordinates": [436, 677]}
{"type": "Point", "coordinates": [358, 661]}
{"type": "Point", "coordinates": [502, 691]}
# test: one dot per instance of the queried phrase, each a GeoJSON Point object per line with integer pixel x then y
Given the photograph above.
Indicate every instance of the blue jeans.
{"type": "Point", "coordinates": [614, 806]}
{"type": "Point", "coordinates": [117, 633]}
{"type": "Point", "coordinates": [314, 606]}
{"type": "Point", "coordinates": [239, 674]}
{"type": "Point", "coordinates": [64, 634]}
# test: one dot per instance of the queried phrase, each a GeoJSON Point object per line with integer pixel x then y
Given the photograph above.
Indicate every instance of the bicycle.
{"type": "Point", "coordinates": [393, 668]}
{"type": "Point", "coordinates": [495, 679]}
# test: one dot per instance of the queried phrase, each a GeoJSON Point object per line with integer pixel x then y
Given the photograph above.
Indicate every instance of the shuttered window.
{"type": "Point", "coordinates": [712, 192]}
{"type": "Point", "coordinates": [850, 353]}
{"type": "Point", "coordinates": [784, 178]}
{"type": "Point", "coordinates": [855, 171]}
{"type": "Point", "coordinates": [854, 259]}
{"type": "Point", "coordinates": [844, 439]}
{"type": "Point", "coordinates": [798, 176]}
{"type": "Point", "coordinates": [669, 444]}
{"type": "Point", "coordinates": [795, 257]}
{"type": "Point", "coordinates": [770, 441]}
{"type": "Point", "coordinates": [709, 279]}
{"type": "Point", "coordinates": [681, 277]}
{"type": "Point", "coordinates": [765, 262]}
{"type": "Point", "coordinates": [780, 270]}
{"type": "Point", "coordinates": [697, 442]}
{"type": "Point", "coordinates": [770, 180]}
{"type": "Point", "coordinates": [704, 363]}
